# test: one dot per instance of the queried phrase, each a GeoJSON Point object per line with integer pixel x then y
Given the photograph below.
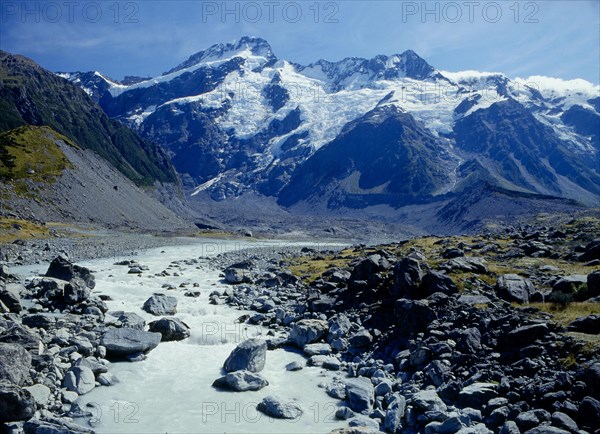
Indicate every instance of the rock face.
{"type": "Point", "coordinates": [171, 329]}
{"type": "Point", "coordinates": [79, 379]}
{"type": "Point", "coordinates": [307, 331]}
{"type": "Point", "coordinates": [241, 381]}
{"type": "Point", "coordinates": [15, 403]}
{"type": "Point", "coordinates": [125, 341]}
{"type": "Point", "coordinates": [15, 362]}
{"type": "Point", "coordinates": [279, 408]}
{"type": "Point", "coordinates": [250, 355]}
{"type": "Point", "coordinates": [512, 287]}
{"type": "Point", "coordinates": [160, 304]}
{"type": "Point", "coordinates": [61, 268]}
{"type": "Point", "coordinates": [360, 394]}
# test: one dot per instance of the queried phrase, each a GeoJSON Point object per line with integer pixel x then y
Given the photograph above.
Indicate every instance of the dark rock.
{"type": "Point", "coordinates": [466, 264]}
{"type": "Point", "coordinates": [360, 394]}
{"type": "Point", "coordinates": [76, 291]}
{"type": "Point", "coordinates": [241, 381]}
{"type": "Point", "coordinates": [413, 316]}
{"type": "Point", "coordinates": [525, 335]}
{"type": "Point", "coordinates": [527, 420]}
{"type": "Point", "coordinates": [61, 268]}
{"type": "Point", "coordinates": [15, 403]}
{"type": "Point", "coordinates": [250, 355]}
{"type": "Point", "coordinates": [571, 285]}
{"type": "Point", "coordinates": [452, 253]}
{"type": "Point", "coordinates": [593, 284]}
{"type": "Point", "coordinates": [160, 305]}
{"type": "Point", "coordinates": [588, 324]}
{"type": "Point", "coordinates": [367, 267]}
{"type": "Point", "coordinates": [171, 329]}
{"type": "Point", "coordinates": [435, 281]}
{"type": "Point", "coordinates": [361, 339]}
{"type": "Point", "coordinates": [127, 341]}
{"type": "Point", "coordinates": [510, 427]}
{"type": "Point", "coordinates": [15, 362]}
{"type": "Point", "coordinates": [131, 320]}
{"type": "Point", "coordinates": [17, 334]}
{"type": "Point", "coordinates": [591, 252]}
{"type": "Point", "coordinates": [408, 276]}
{"type": "Point", "coordinates": [588, 416]}
{"type": "Point", "coordinates": [512, 287]}
{"type": "Point", "coordinates": [278, 408]}
{"type": "Point", "coordinates": [470, 340]}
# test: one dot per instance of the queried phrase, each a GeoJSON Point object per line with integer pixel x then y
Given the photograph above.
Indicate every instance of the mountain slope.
{"type": "Point", "coordinates": [29, 95]}
{"type": "Point", "coordinates": [391, 131]}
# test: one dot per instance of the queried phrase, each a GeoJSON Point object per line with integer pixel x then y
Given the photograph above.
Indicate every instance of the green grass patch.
{"type": "Point", "coordinates": [31, 153]}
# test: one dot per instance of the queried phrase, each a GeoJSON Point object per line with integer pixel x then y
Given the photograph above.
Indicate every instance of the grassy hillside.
{"type": "Point", "coordinates": [30, 95]}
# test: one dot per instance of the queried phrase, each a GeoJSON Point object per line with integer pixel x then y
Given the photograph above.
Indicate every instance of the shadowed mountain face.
{"type": "Point", "coordinates": [358, 133]}
{"type": "Point", "coordinates": [30, 95]}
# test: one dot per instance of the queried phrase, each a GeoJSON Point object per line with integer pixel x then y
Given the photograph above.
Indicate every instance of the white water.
{"type": "Point", "coordinates": [171, 390]}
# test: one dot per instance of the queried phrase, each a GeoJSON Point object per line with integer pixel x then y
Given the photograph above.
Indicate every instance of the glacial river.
{"type": "Point", "coordinates": [171, 390]}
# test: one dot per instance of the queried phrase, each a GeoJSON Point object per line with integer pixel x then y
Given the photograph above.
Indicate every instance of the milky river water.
{"type": "Point", "coordinates": [170, 391]}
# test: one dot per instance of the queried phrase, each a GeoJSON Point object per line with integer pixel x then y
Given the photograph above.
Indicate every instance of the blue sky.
{"type": "Point", "coordinates": [552, 38]}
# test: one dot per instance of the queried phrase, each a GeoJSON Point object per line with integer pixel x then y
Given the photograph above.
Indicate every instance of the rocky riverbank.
{"type": "Point", "coordinates": [495, 333]}
{"type": "Point", "coordinates": [492, 333]}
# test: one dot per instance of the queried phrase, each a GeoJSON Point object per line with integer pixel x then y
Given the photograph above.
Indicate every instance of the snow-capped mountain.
{"type": "Point", "coordinates": [390, 130]}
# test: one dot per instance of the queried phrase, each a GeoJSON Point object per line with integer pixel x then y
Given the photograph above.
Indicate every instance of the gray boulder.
{"type": "Point", "coordinates": [79, 379]}
{"type": "Point", "coordinates": [570, 285]}
{"type": "Point", "coordinates": [250, 355]}
{"type": "Point", "coordinates": [15, 403]}
{"type": "Point", "coordinates": [360, 393]}
{"type": "Point", "coordinates": [15, 362]}
{"type": "Point", "coordinates": [477, 395]}
{"type": "Point", "coordinates": [125, 341]}
{"type": "Point", "coordinates": [160, 305]}
{"type": "Point", "coordinates": [593, 284]}
{"type": "Point", "coordinates": [512, 287]}
{"type": "Point", "coordinates": [130, 319]}
{"type": "Point", "coordinates": [413, 316]}
{"type": "Point", "coordinates": [428, 400]}
{"type": "Point", "coordinates": [41, 394]}
{"type": "Point", "coordinates": [61, 268]}
{"type": "Point", "coordinates": [394, 414]}
{"type": "Point", "coordinates": [241, 381]}
{"type": "Point", "coordinates": [307, 331]}
{"type": "Point", "coordinates": [315, 349]}
{"type": "Point", "coordinates": [171, 329]}
{"type": "Point", "coordinates": [10, 295]}
{"type": "Point", "coordinates": [235, 276]}
{"type": "Point", "coordinates": [279, 408]}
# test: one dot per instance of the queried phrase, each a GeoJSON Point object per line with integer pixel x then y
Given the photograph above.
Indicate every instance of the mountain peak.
{"type": "Point", "coordinates": [244, 47]}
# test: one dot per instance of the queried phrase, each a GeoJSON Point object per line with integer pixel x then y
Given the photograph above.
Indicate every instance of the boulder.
{"type": "Point", "coordinates": [394, 414]}
{"type": "Point", "coordinates": [79, 379]}
{"type": "Point", "coordinates": [15, 403]}
{"type": "Point", "coordinates": [241, 381]}
{"type": "Point", "coordinates": [564, 421]}
{"type": "Point", "coordinates": [525, 335]}
{"type": "Point", "coordinates": [160, 305]}
{"type": "Point", "coordinates": [76, 291]}
{"type": "Point", "coordinates": [315, 349]}
{"type": "Point", "coordinates": [368, 266]}
{"type": "Point", "coordinates": [588, 324]}
{"type": "Point", "coordinates": [361, 339]}
{"type": "Point", "coordinates": [364, 421]}
{"type": "Point", "coordinates": [250, 355]}
{"type": "Point", "coordinates": [588, 416]}
{"type": "Point", "coordinates": [171, 329]}
{"type": "Point", "coordinates": [546, 429]}
{"type": "Point", "coordinates": [279, 408]}
{"type": "Point", "coordinates": [307, 331]}
{"type": "Point", "coordinates": [593, 284]}
{"type": "Point", "coordinates": [477, 395]}
{"type": "Point", "coordinates": [514, 288]}
{"type": "Point", "coordinates": [360, 394]}
{"type": "Point", "coordinates": [413, 316]}
{"type": "Point", "coordinates": [591, 252]}
{"type": "Point", "coordinates": [235, 276]}
{"type": "Point", "coordinates": [408, 275]}
{"type": "Point", "coordinates": [55, 426]}
{"type": "Point", "coordinates": [39, 320]}
{"type": "Point", "coordinates": [466, 264]}
{"type": "Point", "coordinates": [469, 340]}
{"type": "Point", "coordinates": [40, 393]}
{"type": "Point", "coordinates": [130, 319]}
{"type": "Point", "coordinates": [571, 285]}
{"type": "Point", "coordinates": [15, 362]}
{"type": "Point", "coordinates": [17, 334]}
{"type": "Point", "coordinates": [61, 268]}
{"type": "Point", "coordinates": [126, 341]}
{"type": "Point", "coordinates": [434, 281]}
{"type": "Point", "coordinates": [10, 295]}
{"type": "Point", "coordinates": [428, 400]}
